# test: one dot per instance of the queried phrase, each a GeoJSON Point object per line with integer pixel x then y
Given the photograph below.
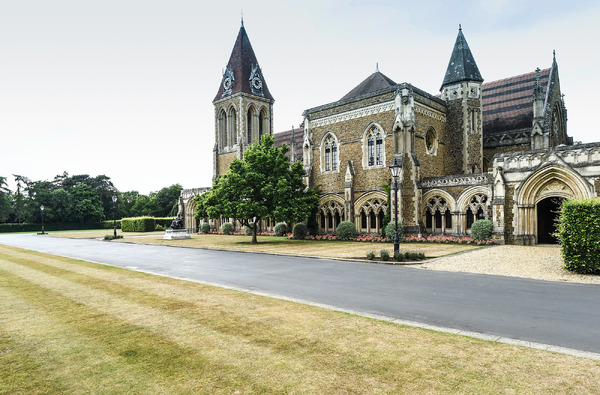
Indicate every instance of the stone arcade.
{"type": "Point", "coordinates": [496, 150]}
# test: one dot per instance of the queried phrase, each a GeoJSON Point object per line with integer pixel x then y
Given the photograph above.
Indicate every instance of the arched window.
{"type": "Point", "coordinates": [438, 218]}
{"type": "Point", "coordinates": [373, 149]}
{"type": "Point", "coordinates": [262, 123]}
{"type": "Point", "coordinates": [249, 121]}
{"type": "Point", "coordinates": [222, 130]}
{"type": "Point", "coordinates": [371, 215]}
{"type": "Point", "coordinates": [331, 214]}
{"type": "Point", "coordinates": [476, 209]}
{"type": "Point", "coordinates": [232, 130]}
{"type": "Point", "coordinates": [330, 153]}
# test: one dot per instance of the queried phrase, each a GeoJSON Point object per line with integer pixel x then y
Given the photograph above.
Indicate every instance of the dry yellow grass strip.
{"type": "Point", "coordinates": [168, 336]}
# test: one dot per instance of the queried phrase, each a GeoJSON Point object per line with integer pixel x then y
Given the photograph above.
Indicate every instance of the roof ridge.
{"type": "Point", "coordinates": [516, 76]}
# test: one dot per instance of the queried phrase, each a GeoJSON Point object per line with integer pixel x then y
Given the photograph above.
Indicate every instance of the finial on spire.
{"type": "Point", "coordinates": [459, 27]}
{"type": "Point", "coordinates": [377, 67]}
{"type": "Point", "coordinates": [554, 55]}
{"type": "Point", "coordinates": [242, 14]}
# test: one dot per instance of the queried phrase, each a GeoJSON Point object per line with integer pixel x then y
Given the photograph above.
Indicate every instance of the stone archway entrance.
{"type": "Point", "coordinates": [548, 211]}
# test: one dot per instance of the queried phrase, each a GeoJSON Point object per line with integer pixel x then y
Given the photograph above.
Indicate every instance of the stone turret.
{"type": "Point", "coordinates": [461, 89]}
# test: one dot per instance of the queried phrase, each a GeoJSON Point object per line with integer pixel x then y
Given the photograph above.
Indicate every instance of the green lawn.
{"type": "Point", "coordinates": [68, 326]}
{"type": "Point", "coordinates": [283, 245]}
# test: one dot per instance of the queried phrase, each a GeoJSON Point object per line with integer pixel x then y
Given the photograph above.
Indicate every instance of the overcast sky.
{"type": "Point", "coordinates": [125, 87]}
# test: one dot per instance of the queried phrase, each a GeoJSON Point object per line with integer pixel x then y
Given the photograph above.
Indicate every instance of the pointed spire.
{"type": "Point", "coordinates": [242, 65]}
{"type": "Point", "coordinates": [462, 66]}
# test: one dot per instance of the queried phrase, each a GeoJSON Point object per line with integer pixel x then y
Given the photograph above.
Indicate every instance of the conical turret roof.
{"type": "Point", "coordinates": [462, 66]}
{"type": "Point", "coordinates": [242, 63]}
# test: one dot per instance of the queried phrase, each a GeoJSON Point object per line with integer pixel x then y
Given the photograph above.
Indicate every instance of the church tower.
{"type": "Point", "coordinates": [243, 105]}
{"type": "Point", "coordinates": [461, 90]}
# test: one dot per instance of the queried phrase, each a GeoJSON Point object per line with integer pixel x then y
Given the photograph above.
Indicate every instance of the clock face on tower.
{"type": "Point", "coordinates": [256, 83]}
{"type": "Point", "coordinates": [227, 83]}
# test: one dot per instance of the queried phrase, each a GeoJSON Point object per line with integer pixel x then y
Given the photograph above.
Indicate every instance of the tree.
{"type": "Point", "coordinates": [87, 206]}
{"type": "Point", "coordinates": [5, 200]}
{"type": "Point", "coordinates": [261, 185]}
{"type": "Point", "coordinates": [167, 201]}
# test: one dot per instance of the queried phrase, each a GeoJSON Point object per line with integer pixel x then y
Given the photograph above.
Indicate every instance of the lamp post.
{"type": "Point", "coordinates": [42, 210]}
{"type": "Point", "coordinates": [114, 199]}
{"type": "Point", "coordinates": [395, 170]}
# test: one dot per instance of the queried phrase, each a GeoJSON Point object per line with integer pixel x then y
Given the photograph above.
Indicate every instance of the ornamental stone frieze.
{"type": "Point", "coordinates": [370, 110]}
{"type": "Point", "coordinates": [458, 180]}
{"type": "Point", "coordinates": [583, 155]}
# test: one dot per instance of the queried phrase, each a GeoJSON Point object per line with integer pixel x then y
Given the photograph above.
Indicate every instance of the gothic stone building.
{"type": "Point", "coordinates": [496, 150]}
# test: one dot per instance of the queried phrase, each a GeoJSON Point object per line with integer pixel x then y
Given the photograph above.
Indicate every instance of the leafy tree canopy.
{"type": "Point", "coordinates": [263, 184]}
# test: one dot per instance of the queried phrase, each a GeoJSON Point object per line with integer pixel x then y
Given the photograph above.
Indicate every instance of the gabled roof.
{"type": "Point", "coordinates": [462, 66]}
{"type": "Point", "coordinates": [375, 82]}
{"type": "Point", "coordinates": [241, 62]}
{"type": "Point", "coordinates": [508, 103]}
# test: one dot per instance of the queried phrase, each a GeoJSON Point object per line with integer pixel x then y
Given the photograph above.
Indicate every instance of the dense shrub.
{"type": "Point", "coordinates": [482, 229]}
{"type": "Point", "coordinates": [390, 231]}
{"type": "Point", "coordinates": [385, 255]}
{"type": "Point", "coordinates": [112, 237]}
{"type": "Point", "coordinates": [300, 231]}
{"type": "Point", "coordinates": [227, 228]}
{"type": "Point", "coordinates": [371, 255]}
{"type": "Point", "coordinates": [205, 227]}
{"type": "Point", "coordinates": [248, 229]}
{"type": "Point", "coordinates": [280, 229]}
{"type": "Point", "coordinates": [345, 230]}
{"type": "Point", "coordinates": [138, 224]}
{"type": "Point", "coordinates": [579, 235]}
{"type": "Point", "coordinates": [159, 227]}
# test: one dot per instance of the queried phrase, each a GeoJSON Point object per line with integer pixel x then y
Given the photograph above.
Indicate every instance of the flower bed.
{"type": "Point", "coordinates": [370, 238]}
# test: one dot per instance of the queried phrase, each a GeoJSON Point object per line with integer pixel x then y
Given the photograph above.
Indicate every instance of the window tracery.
{"type": "Point", "coordinates": [374, 147]}
{"type": "Point", "coordinates": [438, 217]}
{"type": "Point", "coordinates": [330, 153]}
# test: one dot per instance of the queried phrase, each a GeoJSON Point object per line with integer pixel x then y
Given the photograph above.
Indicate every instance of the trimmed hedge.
{"type": "Point", "coordinates": [390, 231]}
{"type": "Point", "coordinates": [300, 231]}
{"type": "Point", "coordinates": [205, 227]}
{"type": "Point", "coordinates": [280, 229]}
{"type": "Point", "coordinates": [482, 229]}
{"type": "Point", "coordinates": [579, 235]}
{"type": "Point", "coordinates": [138, 224]}
{"type": "Point", "coordinates": [109, 224]}
{"type": "Point", "coordinates": [345, 230]}
{"type": "Point", "coordinates": [227, 228]}
{"type": "Point", "coordinates": [145, 224]}
{"type": "Point", "coordinates": [48, 227]}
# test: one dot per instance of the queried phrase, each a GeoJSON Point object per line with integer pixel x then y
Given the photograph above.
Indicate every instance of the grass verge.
{"type": "Point", "coordinates": [283, 245]}
{"type": "Point", "coordinates": [68, 326]}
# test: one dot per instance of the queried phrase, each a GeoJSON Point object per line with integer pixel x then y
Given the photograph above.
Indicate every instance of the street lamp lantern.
{"type": "Point", "coordinates": [395, 168]}
{"type": "Point", "coordinates": [114, 199]}
{"type": "Point", "coordinates": [42, 210]}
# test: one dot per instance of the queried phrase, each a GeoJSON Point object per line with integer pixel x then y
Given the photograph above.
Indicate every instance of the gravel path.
{"type": "Point", "coordinates": [538, 262]}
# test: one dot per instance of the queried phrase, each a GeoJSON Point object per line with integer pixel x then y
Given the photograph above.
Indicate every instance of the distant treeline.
{"type": "Point", "coordinates": [80, 199]}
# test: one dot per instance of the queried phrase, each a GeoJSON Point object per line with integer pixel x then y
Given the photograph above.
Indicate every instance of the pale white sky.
{"type": "Point", "coordinates": [125, 87]}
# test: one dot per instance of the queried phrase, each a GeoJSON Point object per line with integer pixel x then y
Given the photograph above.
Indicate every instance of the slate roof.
{"type": "Point", "coordinates": [286, 137]}
{"type": "Point", "coordinates": [241, 61]}
{"type": "Point", "coordinates": [373, 83]}
{"type": "Point", "coordinates": [508, 103]}
{"type": "Point", "coordinates": [462, 66]}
